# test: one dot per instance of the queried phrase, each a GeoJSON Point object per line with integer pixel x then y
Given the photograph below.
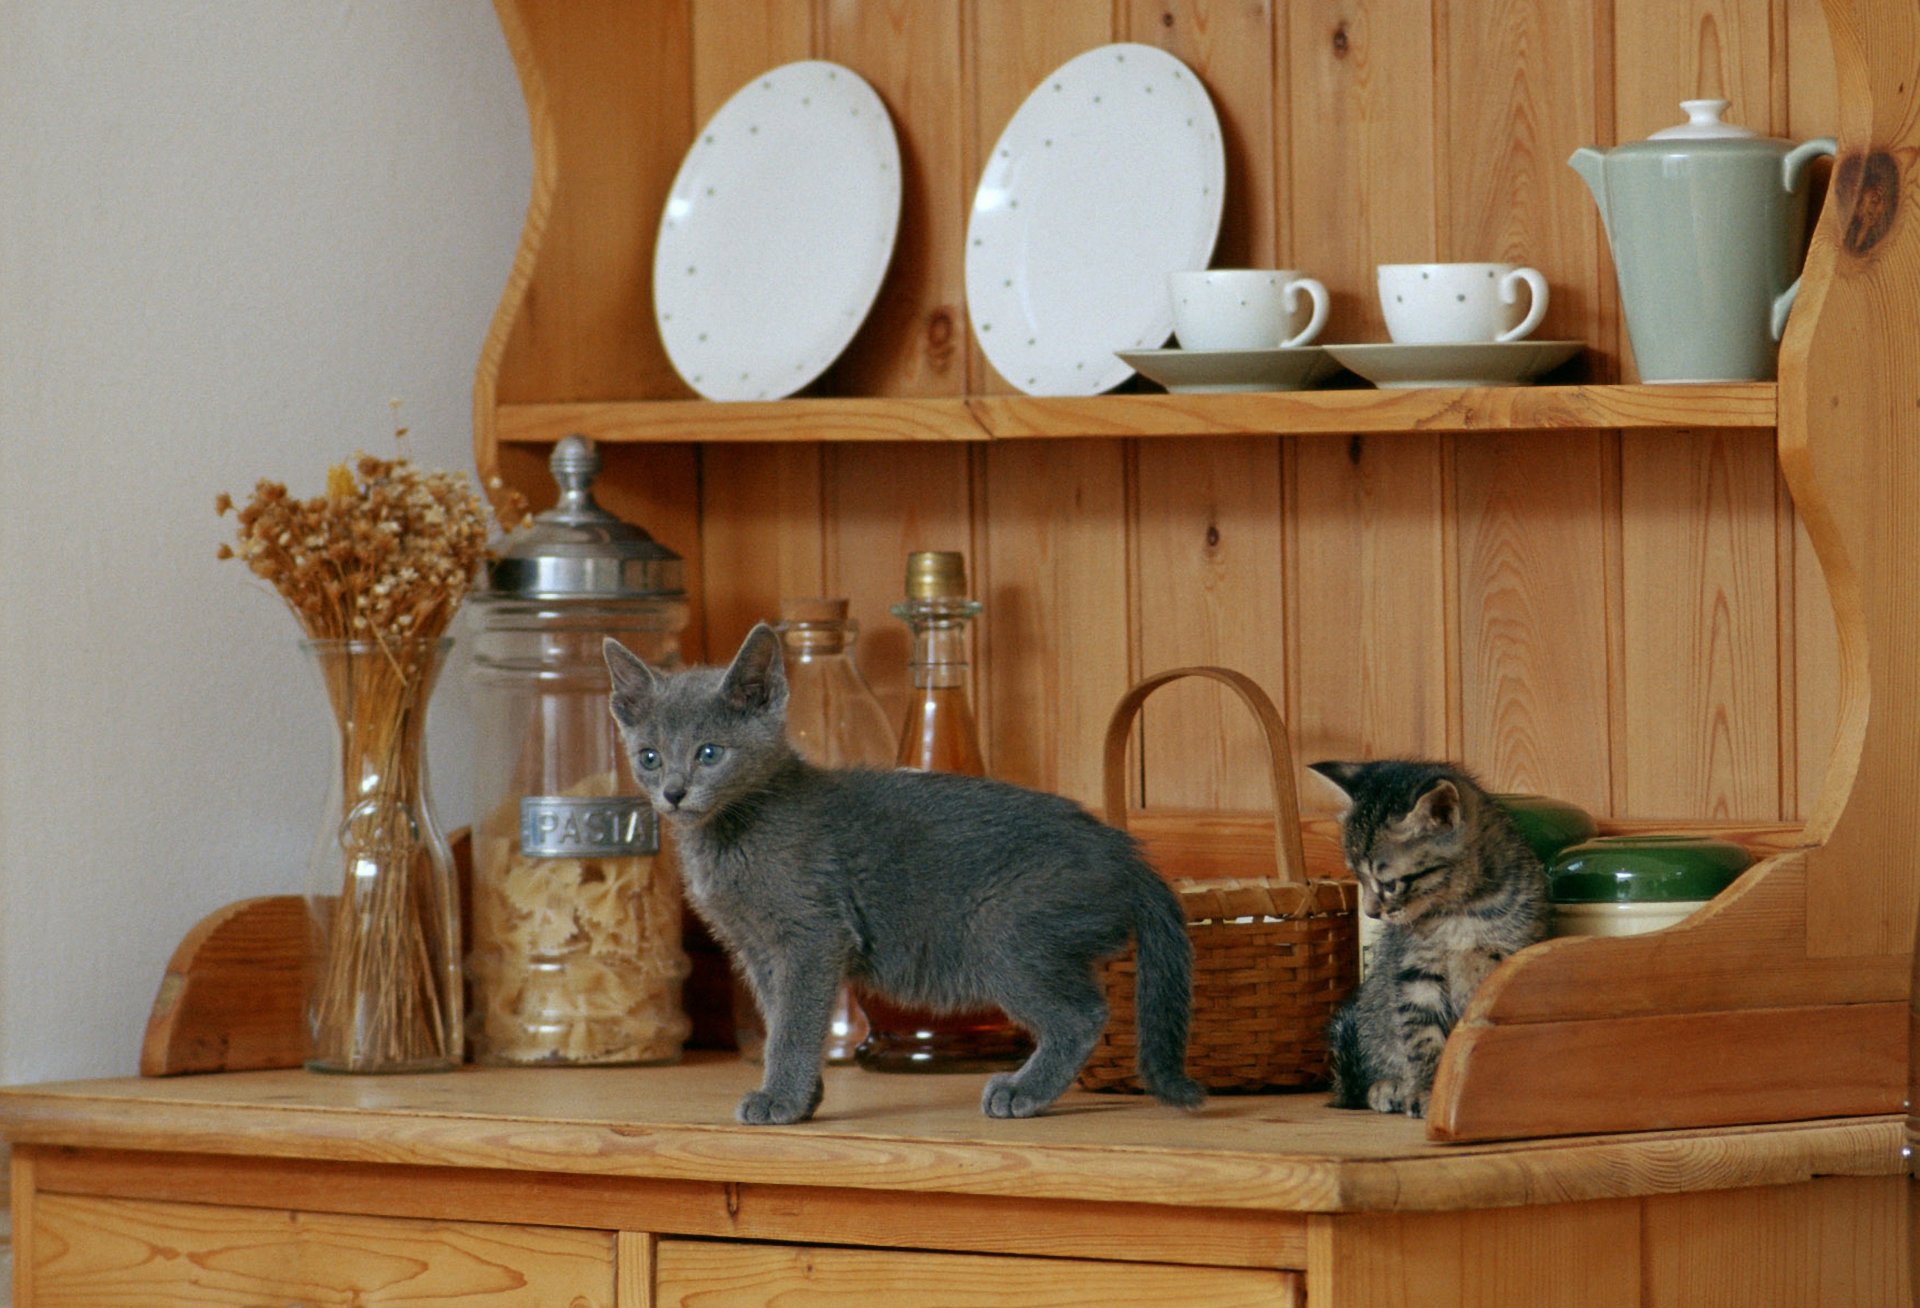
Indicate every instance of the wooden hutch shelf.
{"type": "Point", "coordinates": [1716, 630]}
{"type": "Point", "coordinates": [1009, 417]}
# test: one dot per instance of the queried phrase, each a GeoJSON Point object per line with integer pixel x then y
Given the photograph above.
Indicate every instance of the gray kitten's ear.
{"type": "Point", "coordinates": [1438, 808]}
{"type": "Point", "coordinates": [634, 683]}
{"type": "Point", "coordinates": [757, 679]}
{"type": "Point", "coordinates": [1340, 776]}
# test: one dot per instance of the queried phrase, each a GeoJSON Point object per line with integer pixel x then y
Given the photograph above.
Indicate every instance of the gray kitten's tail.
{"type": "Point", "coordinates": [1163, 996]}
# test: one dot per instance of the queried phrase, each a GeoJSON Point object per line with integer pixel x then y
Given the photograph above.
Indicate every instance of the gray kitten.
{"type": "Point", "coordinates": [1457, 887]}
{"type": "Point", "coordinates": [936, 890]}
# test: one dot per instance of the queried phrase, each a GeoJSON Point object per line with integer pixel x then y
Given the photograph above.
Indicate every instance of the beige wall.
{"type": "Point", "coordinates": [229, 233]}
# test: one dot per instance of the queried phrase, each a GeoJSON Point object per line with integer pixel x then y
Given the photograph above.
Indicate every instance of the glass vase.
{"type": "Point", "coordinates": [383, 967]}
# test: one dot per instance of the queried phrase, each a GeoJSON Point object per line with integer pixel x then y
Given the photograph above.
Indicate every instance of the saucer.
{"type": "Point", "coordinates": [1199, 372]}
{"type": "Point", "coordinates": [1473, 363]}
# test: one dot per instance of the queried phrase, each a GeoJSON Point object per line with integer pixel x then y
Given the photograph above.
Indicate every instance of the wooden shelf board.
{"type": "Point", "coordinates": [1022, 417]}
{"type": "Point", "coordinates": [1273, 1153]}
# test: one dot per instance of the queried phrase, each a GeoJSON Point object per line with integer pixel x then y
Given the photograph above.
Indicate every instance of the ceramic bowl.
{"type": "Point", "coordinates": [1646, 869]}
{"type": "Point", "coordinates": [1548, 824]}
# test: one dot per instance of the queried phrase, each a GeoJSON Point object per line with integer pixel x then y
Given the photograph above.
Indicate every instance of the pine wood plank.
{"type": "Point", "coordinates": [1229, 43]}
{"type": "Point", "coordinates": [718, 1275]}
{"type": "Point", "coordinates": [1361, 144]}
{"type": "Point", "coordinates": [1696, 50]}
{"type": "Point", "coordinates": [1369, 604]}
{"type": "Point", "coordinates": [1555, 1256]}
{"type": "Point", "coordinates": [583, 328]}
{"type": "Point", "coordinates": [658, 487]}
{"type": "Point", "coordinates": [1533, 603]}
{"type": "Point", "coordinates": [734, 41]}
{"type": "Point", "coordinates": [761, 534]}
{"type": "Point", "coordinates": [909, 1136]}
{"type": "Point", "coordinates": [92, 1251]}
{"type": "Point", "coordinates": [233, 996]}
{"type": "Point", "coordinates": [879, 507]}
{"type": "Point", "coordinates": [1704, 965]}
{"type": "Point", "coordinates": [1519, 92]}
{"type": "Point", "coordinates": [1652, 1073]}
{"type": "Point", "coordinates": [914, 342]}
{"type": "Point", "coordinates": [1208, 569]}
{"type": "Point", "coordinates": [1022, 417]}
{"type": "Point", "coordinates": [634, 1257]}
{"type": "Point", "coordinates": [709, 1209]}
{"type": "Point", "coordinates": [1812, 644]}
{"type": "Point", "coordinates": [1836, 1242]}
{"type": "Point", "coordinates": [1701, 679]}
{"type": "Point", "coordinates": [1848, 458]}
{"type": "Point", "coordinates": [1057, 651]}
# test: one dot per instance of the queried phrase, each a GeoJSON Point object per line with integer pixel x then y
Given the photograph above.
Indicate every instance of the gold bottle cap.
{"type": "Point", "coordinates": [813, 609]}
{"type": "Point", "coordinates": [936, 574]}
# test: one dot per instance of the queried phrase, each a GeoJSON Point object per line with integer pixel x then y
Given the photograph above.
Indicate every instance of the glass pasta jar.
{"type": "Point", "coordinates": [575, 954]}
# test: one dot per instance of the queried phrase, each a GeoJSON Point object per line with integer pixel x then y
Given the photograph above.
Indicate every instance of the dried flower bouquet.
{"type": "Point", "coordinates": [374, 570]}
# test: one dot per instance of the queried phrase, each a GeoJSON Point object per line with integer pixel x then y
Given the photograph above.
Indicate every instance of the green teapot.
{"type": "Point", "coordinates": [1707, 223]}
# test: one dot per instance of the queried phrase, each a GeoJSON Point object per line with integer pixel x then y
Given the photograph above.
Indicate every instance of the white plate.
{"type": "Point", "coordinates": [1479, 363]}
{"type": "Point", "coordinates": [1110, 176]}
{"type": "Point", "coordinates": [777, 232]}
{"type": "Point", "coordinates": [1199, 372]}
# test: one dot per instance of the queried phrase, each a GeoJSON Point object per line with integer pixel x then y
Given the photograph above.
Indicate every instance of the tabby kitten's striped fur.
{"type": "Point", "coordinates": [1457, 889]}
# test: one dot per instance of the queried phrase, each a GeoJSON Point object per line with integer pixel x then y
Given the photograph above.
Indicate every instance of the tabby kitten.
{"type": "Point", "coordinates": [937, 890]}
{"type": "Point", "coordinates": [1457, 888]}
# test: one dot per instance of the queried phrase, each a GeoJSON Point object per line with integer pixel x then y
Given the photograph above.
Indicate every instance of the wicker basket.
{"type": "Point", "coordinates": [1273, 955]}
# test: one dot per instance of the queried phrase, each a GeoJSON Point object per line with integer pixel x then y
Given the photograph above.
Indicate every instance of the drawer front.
{"type": "Point", "coordinates": [701, 1274]}
{"type": "Point", "coordinates": [104, 1252]}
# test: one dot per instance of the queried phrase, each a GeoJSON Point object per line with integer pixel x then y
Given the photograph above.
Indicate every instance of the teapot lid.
{"type": "Point", "coordinates": [1703, 124]}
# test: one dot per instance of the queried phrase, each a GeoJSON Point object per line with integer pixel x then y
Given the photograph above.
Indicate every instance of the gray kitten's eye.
{"type": "Point", "coordinates": [650, 760]}
{"type": "Point", "coordinates": [708, 754]}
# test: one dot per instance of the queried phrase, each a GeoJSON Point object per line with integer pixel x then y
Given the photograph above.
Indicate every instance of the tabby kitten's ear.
{"type": "Point", "coordinates": [634, 683]}
{"type": "Point", "coordinates": [1341, 776]}
{"type": "Point", "coordinates": [1438, 809]}
{"type": "Point", "coordinates": [757, 680]}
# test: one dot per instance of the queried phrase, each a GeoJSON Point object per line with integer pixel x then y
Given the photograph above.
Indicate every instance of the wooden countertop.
{"type": "Point", "coordinates": [1283, 1153]}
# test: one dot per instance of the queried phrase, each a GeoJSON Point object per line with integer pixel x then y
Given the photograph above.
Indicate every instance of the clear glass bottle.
{"type": "Point", "coordinates": [938, 736]}
{"type": "Point", "coordinates": [834, 720]}
{"type": "Point", "coordinates": [575, 943]}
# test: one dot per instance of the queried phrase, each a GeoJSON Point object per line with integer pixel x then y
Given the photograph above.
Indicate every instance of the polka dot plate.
{"type": "Point", "coordinates": [1109, 176]}
{"type": "Point", "coordinates": [777, 232]}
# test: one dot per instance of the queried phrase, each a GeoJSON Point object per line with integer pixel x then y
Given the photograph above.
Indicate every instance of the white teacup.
{"type": "Point", "coordinates": [1454, 303]}
{"type": "Point", "coordinates": [1246, 308]}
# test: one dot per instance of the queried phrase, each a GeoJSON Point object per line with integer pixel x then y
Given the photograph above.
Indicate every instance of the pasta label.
{"type": "Point", "coordinates": [559, 826]}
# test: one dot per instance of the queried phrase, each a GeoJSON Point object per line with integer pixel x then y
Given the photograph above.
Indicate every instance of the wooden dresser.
{"type": "Point", "coordinates": [623, 1188]}
{"type": "Point", "coordinates": [1681, 607]}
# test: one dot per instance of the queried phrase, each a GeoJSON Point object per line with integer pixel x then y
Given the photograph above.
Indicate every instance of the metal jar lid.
{"type": "Point", "coordinates": [577, 550]}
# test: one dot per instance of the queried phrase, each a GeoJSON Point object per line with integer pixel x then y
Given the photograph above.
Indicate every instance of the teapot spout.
{"type": "Point", "coordinates": [1588, 162]}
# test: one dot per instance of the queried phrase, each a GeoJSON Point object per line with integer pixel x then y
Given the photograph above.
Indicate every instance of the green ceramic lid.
{"type": "Point", "coordinates": [1548, 824]}
{"type": "Point", "coordinates": [1645, 869]}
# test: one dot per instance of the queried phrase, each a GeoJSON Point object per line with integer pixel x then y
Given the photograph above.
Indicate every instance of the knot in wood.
{"type": "Point", "coordinates": [1868, 189]}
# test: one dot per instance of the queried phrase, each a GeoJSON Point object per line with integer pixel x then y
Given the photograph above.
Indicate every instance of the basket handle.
{"type": "Point", "coordinates": [1287, 855]}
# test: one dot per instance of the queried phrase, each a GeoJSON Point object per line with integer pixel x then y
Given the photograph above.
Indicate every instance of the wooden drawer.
{"type": "Point", "coordinates": [100, 1252]}
{"type": "Point", "coordinates": [708, 1274]}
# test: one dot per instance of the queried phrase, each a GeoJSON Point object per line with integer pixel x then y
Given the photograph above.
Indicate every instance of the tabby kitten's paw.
{"type": "Point", "coordinates": [1004, 1097]}
{"type": "Point", "coordinates": [1397, 1097]}
{"type": "Point", "coordinates": [764, 1108]}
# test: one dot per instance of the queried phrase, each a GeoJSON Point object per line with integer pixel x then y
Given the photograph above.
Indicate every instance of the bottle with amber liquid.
{"type": "Point", "coordinates": [939, 736]}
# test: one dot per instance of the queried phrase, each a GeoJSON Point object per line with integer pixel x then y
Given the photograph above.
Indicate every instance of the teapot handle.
{"type": "Point", "coordinates": [1793, 167]}
{"type": "Point", "coordinates": [1794, 163]}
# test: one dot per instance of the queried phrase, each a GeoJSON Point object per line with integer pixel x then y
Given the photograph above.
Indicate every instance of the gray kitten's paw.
{"type": "Point", "coordinates": [1003, 1097]}
{"type": "Point", "coordinates": [1398, 1096]}
{"type": "Point", "coordinates": [762, 1108]}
